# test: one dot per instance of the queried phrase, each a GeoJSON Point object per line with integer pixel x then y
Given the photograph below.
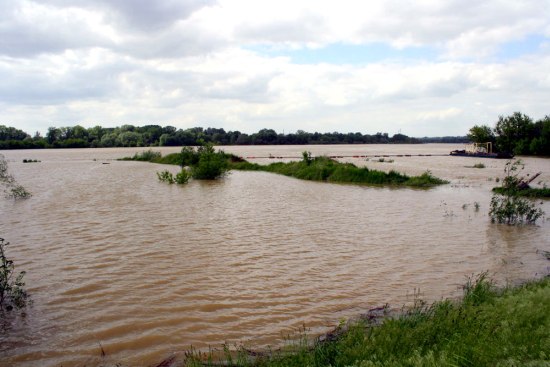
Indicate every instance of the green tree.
{"type": "Point", "coordinates": [514, 133]}
{"type": "Point", "coordinates": [481, 134]}
{"type": "Point", "coordinates": [540, 145]}
{"type": "Point", "coordinates": [130, 138]}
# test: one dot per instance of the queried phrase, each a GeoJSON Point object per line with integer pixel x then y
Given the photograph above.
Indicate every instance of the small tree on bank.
{"type": "Point", "coordinates": [507, 206]}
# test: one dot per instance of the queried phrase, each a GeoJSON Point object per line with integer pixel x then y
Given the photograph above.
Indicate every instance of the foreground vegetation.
{"type": "Point", "coordinates": [488, 327]}
{"type": "Point", "coordinates": [205, 163]}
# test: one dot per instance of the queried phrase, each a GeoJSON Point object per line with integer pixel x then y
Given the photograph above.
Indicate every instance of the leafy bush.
{"type": "Point", "coordinates": [12, 293]}
{"type": "Point", "coordinates": [166, 176]}
{"type": "Point", "coordinates": [12, 188]}
{"type": "Point", "coordinates": [210, 165]}
{"type": "Point", "coordinates": [507, 206]}
{"type": "Point", "coordinates": [182, 177]}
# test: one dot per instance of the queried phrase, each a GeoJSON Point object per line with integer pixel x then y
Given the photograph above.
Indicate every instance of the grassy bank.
{"type": "Point", "coordinates": [314, 169]}
{"type": "Point", "coordinates": [488, 327]}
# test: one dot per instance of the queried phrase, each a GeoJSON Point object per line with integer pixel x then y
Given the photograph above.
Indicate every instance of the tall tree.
{"type": "Point", "coordinates": [481, 134]}
{"type": "Point", "coordinates": [514, 133]}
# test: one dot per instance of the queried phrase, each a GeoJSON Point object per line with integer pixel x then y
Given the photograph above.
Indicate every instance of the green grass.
{"type": "Point", "coordinates": [488, 327]}
{"type": "Point", "coordinates": [329, 170]}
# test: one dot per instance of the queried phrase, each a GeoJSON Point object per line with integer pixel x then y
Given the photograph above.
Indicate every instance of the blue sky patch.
{"type": "Point", "coordinates": [529, 45]}
{"type": "Point", "coordinates": [340, 53]}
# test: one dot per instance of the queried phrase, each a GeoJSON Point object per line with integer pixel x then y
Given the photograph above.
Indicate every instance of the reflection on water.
{"type": "Point", "coordinates": [144, 268]}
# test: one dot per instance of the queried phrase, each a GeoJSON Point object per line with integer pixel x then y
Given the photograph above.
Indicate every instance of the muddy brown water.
{"type": "Point", "coordinates": [144, 269]}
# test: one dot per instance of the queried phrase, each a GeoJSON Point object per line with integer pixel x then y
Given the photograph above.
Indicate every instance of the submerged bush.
{"type": "Point", "coordinates": [12, 293]}
{"type": "Point", "coordinates": [182, 177]}
{"type": "Point", "coordinates": [507, 206]}
{"type": "Point", "coordinates": [166, 176]}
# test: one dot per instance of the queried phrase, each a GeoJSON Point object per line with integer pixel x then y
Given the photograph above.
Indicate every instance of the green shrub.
{"type": "Point", "coordinates": [182, 177]}
{"type": "Point", "coordinates": [188, 157]}
{"type": "Point", "coordinates": [210, 165]}
{"type": "Point", "coordinates": [12, 293]}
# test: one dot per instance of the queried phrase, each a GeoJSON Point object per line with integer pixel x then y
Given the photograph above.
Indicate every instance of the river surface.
{"type": "Point", "coordinates": [118, 259]}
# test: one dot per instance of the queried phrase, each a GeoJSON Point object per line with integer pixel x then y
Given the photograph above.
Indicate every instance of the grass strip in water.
{"type": "Point", "coordinates": [328, 170]}
{"type": "Point", "coordinates": [529, 192]}
{"type": "Point", "coordinates": [488, 327]}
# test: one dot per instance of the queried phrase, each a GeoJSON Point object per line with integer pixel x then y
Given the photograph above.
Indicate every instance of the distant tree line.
{"type": "Point", "coordinates": [517, 134]}
{"type": "Point", "coordinates": [155, 135]}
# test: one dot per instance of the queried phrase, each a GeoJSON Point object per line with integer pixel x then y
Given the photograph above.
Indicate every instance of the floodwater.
{"type": "Point", "coordinates": [117, 260]}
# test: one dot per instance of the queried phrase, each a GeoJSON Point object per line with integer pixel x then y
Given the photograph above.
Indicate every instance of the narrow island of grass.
{"type": "Point", "coordinates": [487, 327]}
{"type": "Point", "coordinates": [309, 168]}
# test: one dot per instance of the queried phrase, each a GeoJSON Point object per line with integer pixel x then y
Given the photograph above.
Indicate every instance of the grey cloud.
{"type": "Point", "coordinates": [147, 29]}
{"type": "Point", "coordinates": [37, 86]}
{"type": "Point", "coordinates": [21, 36]}
{"type": "Point", "coordinates": [144, 15]}
{"type": "Point", "coordinates": [253, 90]}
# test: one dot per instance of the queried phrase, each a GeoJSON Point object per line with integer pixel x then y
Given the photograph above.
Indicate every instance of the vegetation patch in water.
{"type": "Point", "coordinates": [528, 192]}
{"type": "Point", "coordinates": [328, 170]}
{"type": "Point", "coordinates": [205, 163]}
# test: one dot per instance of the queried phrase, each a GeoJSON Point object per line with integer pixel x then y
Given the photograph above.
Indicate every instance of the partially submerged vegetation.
{"type": "Point", "coordinates": [12, 292]}
{"type": "Point", "coordinates": [507, 205]}
{"type": "Point", "coordinates": [487, 327]}
{"type": "Point", "coordinates": [12, 189]}
{"type": "Point", "coordinates": [205, 163]}
{"type": "Point", "coordinates": [329, 170]}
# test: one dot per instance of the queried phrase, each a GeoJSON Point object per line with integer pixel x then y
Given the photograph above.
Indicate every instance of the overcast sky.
{"type": "Point", "coordinates": [422, 68]}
